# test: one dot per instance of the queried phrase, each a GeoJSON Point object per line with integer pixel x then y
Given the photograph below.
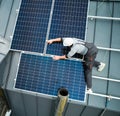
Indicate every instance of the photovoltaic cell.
{"type": "Point", "coordinates": [68, 20]}
{"type": "Point", "coordinates": [31, 28]}
{"type": "Point", "coordinates": [43, 75]}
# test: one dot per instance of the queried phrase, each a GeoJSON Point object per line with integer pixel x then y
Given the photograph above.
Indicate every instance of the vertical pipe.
{"type": "Point", "coordinates": [63, 98]}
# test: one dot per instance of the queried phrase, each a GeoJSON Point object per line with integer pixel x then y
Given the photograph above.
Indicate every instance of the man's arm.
{"type": "Point", "coordinates": [54, 40]}
{"type": "Point", "coordinates": [57, 57]}
{"type": "Point", "coordinates": [60, 57]}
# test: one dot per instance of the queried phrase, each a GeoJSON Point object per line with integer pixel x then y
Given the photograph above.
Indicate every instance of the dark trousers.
{"type": "Point", "coordinates": [89, 63]}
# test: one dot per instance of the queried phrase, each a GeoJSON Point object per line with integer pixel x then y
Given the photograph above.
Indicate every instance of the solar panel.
{"type": "Point", "coordinates": [41, 18]}
{"type": "Point", "coordinates": [43, 75]}
{"type": "Point", "coordinates": [69, 20]}
{"type": "Point", "coordinates": [31, 28]}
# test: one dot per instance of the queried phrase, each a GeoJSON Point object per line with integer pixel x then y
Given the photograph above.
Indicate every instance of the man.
{"type": "Point", "coordinates": [88, 50]}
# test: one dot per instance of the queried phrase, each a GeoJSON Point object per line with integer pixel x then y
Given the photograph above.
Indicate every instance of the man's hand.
{"type": "Point", "coordinates": [53, 40]}
{"type": "Point", "coordinates": [56, 57]}
{"type": "Point", "coordinates": [49, 41]}
{"type": "Point", "coordinates": [59, 57]}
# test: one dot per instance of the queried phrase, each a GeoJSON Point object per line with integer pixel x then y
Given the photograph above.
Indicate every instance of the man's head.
{"type": "Point", "coordinates": [67, 42]}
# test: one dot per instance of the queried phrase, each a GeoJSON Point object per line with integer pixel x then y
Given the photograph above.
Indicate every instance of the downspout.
{"type": "Point", "coordinates": [62, 101]}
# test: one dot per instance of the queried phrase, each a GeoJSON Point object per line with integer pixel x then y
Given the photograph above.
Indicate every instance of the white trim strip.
{"type": "Point", "coordinates": [107, 96]}
{"type": "Point", "coordinates": [110, 49]}
{"type": "Point", "coordinates": [102, 17]}
{"type": "Point", "coordinates": [107, 79]}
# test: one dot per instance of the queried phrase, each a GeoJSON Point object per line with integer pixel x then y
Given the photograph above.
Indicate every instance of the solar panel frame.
{"type": "Point", "coordinates": [50, 83]}
{"type": "Point", "coordinates": [40, 46]}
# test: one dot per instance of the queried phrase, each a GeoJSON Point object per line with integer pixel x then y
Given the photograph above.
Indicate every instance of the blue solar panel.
{"type": "Point", "coordinates": [32, 24]}
{"type": "Point", "coordinates": [69, 20]}
{"type": "Point", "coordinates": [44, 75]}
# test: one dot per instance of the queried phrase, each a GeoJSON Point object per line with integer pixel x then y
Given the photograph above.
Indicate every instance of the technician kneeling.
{"type": "Point", "coordinates": [88, 50]}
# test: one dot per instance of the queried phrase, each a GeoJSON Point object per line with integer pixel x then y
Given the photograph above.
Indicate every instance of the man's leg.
{"type": "Point", "coordinates": [96, 64]}
{"type": "Point", "coordinates": [99, 65]}
{"type": "Point", "coordinates": [88, 78]}
{"type": "Point", "coordinates": [88, 65]}
{"type": "Point", "coordinates": [88, 75]}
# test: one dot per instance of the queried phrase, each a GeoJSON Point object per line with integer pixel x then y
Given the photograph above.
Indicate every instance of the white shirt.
{"type": "Point", "coordinates": [77, 47]}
